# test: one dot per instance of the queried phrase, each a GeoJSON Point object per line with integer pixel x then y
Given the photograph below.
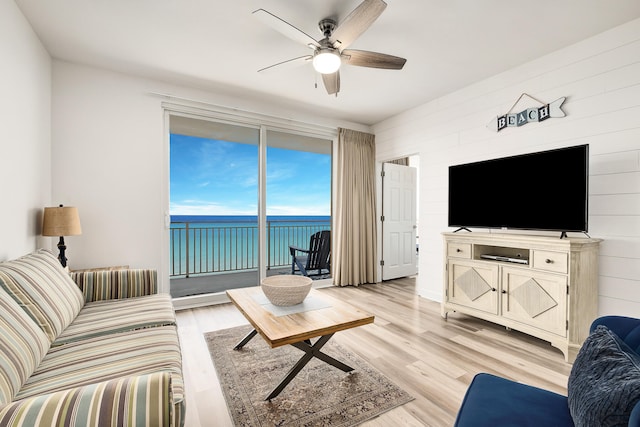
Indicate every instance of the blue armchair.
{"type": "Point", "coordinates": [603, 388]}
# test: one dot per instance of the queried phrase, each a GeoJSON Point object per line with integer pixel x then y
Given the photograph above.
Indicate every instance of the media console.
{"type": "Point", "coordinates": [543, 286]}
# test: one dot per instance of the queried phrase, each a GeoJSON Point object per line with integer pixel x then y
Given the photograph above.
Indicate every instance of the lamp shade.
{"type": "Point", "coordinates": [61, 221]}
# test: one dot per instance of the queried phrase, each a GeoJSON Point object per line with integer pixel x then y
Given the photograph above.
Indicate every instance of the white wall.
{"type": "Point", "coordinates": [601, 79]}
{"type": "Point", "coordinates": [110, 160]}
{"type": "Point", "coordinates": [25, 120]}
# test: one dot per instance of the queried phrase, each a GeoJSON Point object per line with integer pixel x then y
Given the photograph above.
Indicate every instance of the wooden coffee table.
{"type": "Point", "coordinates": [324, 317]}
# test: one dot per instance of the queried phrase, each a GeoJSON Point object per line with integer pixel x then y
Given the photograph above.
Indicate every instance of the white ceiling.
{"type": "Point", "coordinates": [219, 45]}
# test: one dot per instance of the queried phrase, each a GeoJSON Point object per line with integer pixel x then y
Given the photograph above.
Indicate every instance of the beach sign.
{"type": "Point", "coordinates": [537, 114]}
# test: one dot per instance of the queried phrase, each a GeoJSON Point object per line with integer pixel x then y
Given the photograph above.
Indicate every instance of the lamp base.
{"type": "Point", "coordinates": [61, 256]}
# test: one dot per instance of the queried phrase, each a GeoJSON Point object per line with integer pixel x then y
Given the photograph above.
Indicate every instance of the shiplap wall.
{"type": "Point", "coordinates": [600, 77]}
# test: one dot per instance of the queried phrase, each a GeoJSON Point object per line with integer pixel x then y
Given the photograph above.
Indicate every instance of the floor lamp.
{"type": "Point", "coordinates": [61, 221]}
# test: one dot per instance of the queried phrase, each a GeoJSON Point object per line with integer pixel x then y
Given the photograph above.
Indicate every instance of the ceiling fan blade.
{"type": "Point", "coordinates": [363, 58]}
{"type": "Point", "coordinates": [356, 23]}
{"type": "Point", "coordinates": [332, 82]}
{"type": "Point", "coordinates": [290, 63]}
{"type": "Point", "coordinates": [285, 28]}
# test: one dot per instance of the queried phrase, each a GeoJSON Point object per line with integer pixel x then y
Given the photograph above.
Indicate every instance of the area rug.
{"type": "Point", "coordinates": [320, 395]}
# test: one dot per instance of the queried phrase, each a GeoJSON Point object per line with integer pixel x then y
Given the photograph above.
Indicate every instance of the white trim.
{"type": "Point", "coordinates": [378, 220]}
{"type": "Point", "coordinates": [235, 115]}
{"type": "Point", "coordinates": [164, 282]}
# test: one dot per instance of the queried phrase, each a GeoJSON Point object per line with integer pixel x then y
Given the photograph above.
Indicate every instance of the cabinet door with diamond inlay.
{"type": "Point", "coordinates": [538, 300]}
{"type": "Point", "coordinates": [473, 285]}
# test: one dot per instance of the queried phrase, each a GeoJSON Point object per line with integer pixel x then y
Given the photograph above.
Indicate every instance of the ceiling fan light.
{"type": "Point", "coordinates": [326, 61]}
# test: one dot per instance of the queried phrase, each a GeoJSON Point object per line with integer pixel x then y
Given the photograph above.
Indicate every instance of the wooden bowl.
{"type": "Point", "coordinates": [286, 290]}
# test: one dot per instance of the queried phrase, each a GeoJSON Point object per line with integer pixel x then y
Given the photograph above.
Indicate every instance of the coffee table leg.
{"type": "Point", "coordinates": [245, 340]}
{"type": "Point", "coordinates": [310, 351]}
{"type": "Point", "coordinates": [323, 356]}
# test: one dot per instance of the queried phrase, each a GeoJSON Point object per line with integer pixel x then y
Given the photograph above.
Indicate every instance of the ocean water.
{"type": "Point", "coordinates": [212, 244]}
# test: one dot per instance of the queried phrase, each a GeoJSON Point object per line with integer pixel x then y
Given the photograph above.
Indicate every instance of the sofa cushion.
{"type": "Point", "coordinates": [113, 316]}
{"type": "Point", "coordinates": [103, 358]}
{"type": "Point", "coordinates": [116, 284]}
{"type": "Point", "coordinates": [626, 328]}
{"type": "Point", "coordinates": [132, 401]}
{"type": "Point", "coordinates": [604, 384]}
{"type": "Point", "coordinates": [44, 290]}
{"type": "Point", "coordinates": [493, 401]}
{"type": "Point", "coordinates": [22, 346]}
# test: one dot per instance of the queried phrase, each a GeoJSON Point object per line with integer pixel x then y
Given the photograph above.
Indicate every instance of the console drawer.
{"type": "Point", "coordinates": [556, 262]}
{"type": "Point", "coordinates": [459, 250]}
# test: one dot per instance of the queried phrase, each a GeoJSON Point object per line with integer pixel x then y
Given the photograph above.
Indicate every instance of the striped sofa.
{"type": "Point", "coordinates": [86, 348]}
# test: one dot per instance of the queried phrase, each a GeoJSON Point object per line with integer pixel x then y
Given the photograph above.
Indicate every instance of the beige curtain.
{"type": "Point", "coordinates": [354, 237]}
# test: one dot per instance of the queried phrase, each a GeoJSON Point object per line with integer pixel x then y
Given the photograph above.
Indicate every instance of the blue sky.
{"type": "Point", "coordinates": [210, 177]}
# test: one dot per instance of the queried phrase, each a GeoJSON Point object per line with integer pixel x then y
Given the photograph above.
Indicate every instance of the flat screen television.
{"type": "Point", "coordinates": [547, 190]}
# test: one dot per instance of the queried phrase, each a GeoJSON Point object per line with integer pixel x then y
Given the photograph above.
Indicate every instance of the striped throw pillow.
{"type": "Point", "coordinates": [23, 345]}
{"type": "Point", "coordinates": [43, 289]}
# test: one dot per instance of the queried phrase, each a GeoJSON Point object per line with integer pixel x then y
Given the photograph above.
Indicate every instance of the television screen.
{"type": "Point", "coordinates": [547, 190]}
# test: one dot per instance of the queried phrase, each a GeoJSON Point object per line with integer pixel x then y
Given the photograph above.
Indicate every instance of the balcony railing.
{"type": "Point", "coordinates": [218, 247]}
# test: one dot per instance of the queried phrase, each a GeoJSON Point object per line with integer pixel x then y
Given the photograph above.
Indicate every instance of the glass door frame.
{"type": "Point", "coordinates": [262, 205]}
{"type": "Point", "coordinates": [234, 117]}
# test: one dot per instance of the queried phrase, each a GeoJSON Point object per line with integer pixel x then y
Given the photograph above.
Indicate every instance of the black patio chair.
{"type": "Point", "coordinates": [316, 260]}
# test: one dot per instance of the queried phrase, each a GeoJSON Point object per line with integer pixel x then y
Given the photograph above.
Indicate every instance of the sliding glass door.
{"type": "Point", "coordinates": [240, 196]}
{"type": "Point", "coordinates": [298, 196]}
{"type": "Point", "coordinates": [214, 242]}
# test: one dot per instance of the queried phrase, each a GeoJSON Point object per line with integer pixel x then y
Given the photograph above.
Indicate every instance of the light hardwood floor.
{"type": "Point", "coordinates": [432, 358]}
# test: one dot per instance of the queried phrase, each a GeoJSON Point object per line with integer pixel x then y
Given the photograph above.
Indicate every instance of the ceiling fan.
{"type": "Point", "coordinates": [331, 51]}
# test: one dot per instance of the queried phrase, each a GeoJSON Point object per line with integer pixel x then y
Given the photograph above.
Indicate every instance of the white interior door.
{"type": "Point", "coordinates": [399, 221]}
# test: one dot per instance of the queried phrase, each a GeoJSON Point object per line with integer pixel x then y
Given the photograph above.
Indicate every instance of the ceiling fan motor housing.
{"type": "Point", "coordinates": [327, 26]}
